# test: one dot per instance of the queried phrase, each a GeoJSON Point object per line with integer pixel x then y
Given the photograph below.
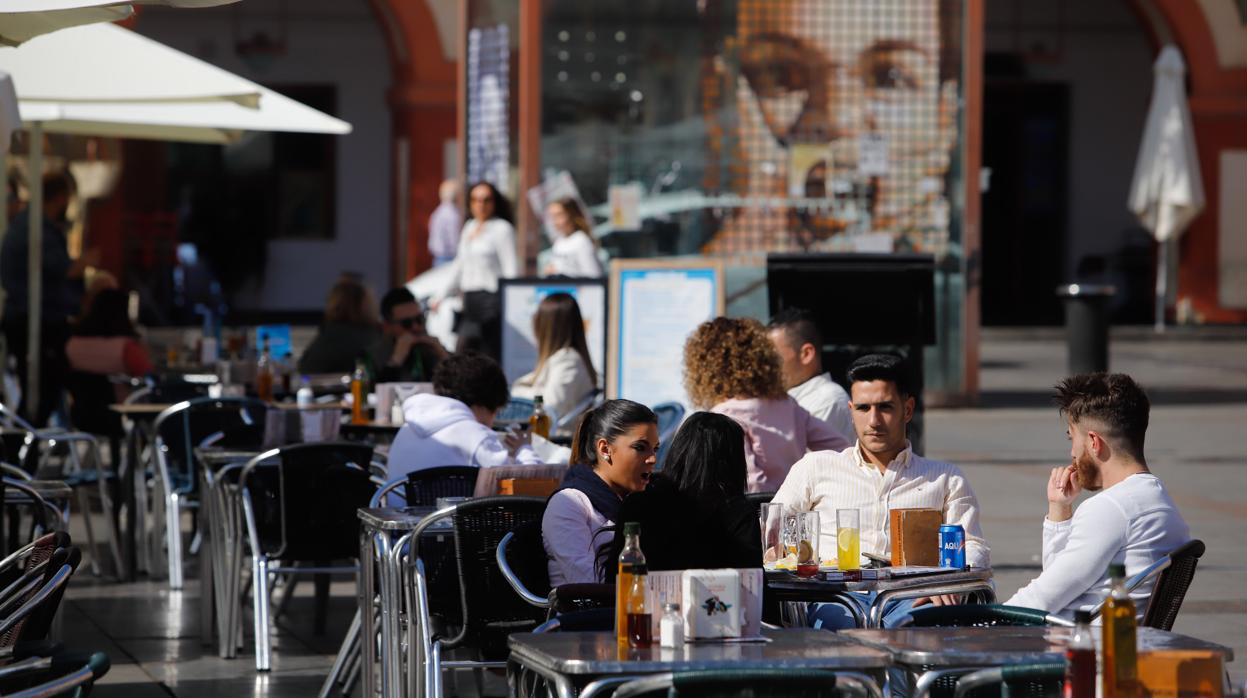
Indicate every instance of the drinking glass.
{"type": "Point", "coordinates": [848, 539]}
{"type": "Point", "coordinates": [805, 535]}
{"type": "Point", "coordinates": [771, 518]}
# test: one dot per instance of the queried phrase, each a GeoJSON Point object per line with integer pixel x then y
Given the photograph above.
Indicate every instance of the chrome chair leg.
{"type": "Point", "coordinates": [84, 505]}
{"type": "Point", "coordinates": [260, 609]}
{"type": "Point", "coordinates": [345, 656]}
{"type": "Point", "coordinates": [173, 538]}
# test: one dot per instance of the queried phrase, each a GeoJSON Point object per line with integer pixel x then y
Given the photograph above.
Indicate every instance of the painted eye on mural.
{"type": "Point", "coordinates": [773, 68]}
{"type": "Point", "coordinates": [891, 66]}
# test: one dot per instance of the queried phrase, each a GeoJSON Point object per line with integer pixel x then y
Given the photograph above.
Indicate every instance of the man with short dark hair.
{"type": "Point", "coordinates": [800, 347]}
{"type": "Point", "coordinates": [406, 352]}
{"type": "Point", "coordinates": [1132, 520]}
{"type": "Point", "coordinates": [877, 474]}
{"type": "Point", "coordinates": [454, 425]}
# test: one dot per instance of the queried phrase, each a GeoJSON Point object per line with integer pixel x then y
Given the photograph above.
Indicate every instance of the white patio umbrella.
{"type": "Point", "coordinates": [1167, 192]}
{"type": "Point", "coordinates": [22, 20]}
{"type": "Point", "coordinates": [138, 88]}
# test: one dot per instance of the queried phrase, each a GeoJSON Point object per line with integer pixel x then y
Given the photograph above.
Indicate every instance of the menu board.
{"type": "Point", "coordinates": [655, 305]}
{"type": "Point", "coordinates": [519, 303]}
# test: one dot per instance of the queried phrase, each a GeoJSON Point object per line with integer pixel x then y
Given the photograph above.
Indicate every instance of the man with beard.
{"type": "Point", "coordinates": [1132, 520]}
{"type": "Point", "coordinates": [879, 473]}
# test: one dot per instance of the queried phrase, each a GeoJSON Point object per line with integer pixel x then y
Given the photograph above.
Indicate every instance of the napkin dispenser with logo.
{"type": "Point", "coordinates": [711, 604]}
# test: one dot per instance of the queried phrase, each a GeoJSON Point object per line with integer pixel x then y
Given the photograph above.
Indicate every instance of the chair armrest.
{"type": "Point", "coordinates": [978, 679]}
{"type": "Point", "coordinates": [512, 578]}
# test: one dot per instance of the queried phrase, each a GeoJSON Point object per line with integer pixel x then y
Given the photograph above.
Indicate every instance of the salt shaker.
{"type": "Point", "coordinates": [671, 627]}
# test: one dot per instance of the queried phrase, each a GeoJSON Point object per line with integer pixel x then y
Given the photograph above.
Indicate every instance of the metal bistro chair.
{"type": "Point", "coordinates": [237, 422]}
{"type": "Point", "coordinates": [758, 500]}
{"type": "Point", "coordinates": [751, 682]}
{"type": "Point", "coordinates": [516, 411]}
{"type": "Point", "coordinates": [40, 455]}
{"type": "Point", "coordinates": [63, 674]}
{"type": "Point", "coordinates": [670, 415]}
{"type": "Point", "coordinates": [490, 611]}
{"type": "Point", "coordinates": [566, 423]}
{"type": "Point", "coordinates": [1177, 571]}
{"type": "Point", "coordinates": [423, 488]}
{"type": "Point", "coordinates": [300, 506]}
{"type": "Point", "coordinates": [1014, 681]}
{"type": "Point", "coordinates": [522, 560]}
{"type": "Point", "coordinates": [29, 604]}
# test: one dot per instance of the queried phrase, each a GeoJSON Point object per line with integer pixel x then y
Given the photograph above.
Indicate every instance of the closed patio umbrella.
{"type": "Point", "coordinates": [1167, 192]}
{"type": "Point", "coordinates": [22, 20]}
{"type": "Point", "coordinates": [132, 87]}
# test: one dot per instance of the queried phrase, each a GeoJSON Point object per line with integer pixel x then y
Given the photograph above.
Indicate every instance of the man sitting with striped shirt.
{"type": "Point", "coordinates": [879, 473]}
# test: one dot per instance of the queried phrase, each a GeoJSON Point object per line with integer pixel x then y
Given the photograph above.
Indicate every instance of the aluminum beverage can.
{"type": "Point", "coordinates": [953, 546]}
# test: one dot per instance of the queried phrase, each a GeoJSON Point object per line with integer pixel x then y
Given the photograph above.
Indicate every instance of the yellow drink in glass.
{"type": "Point", "coordinates": [848, 549]}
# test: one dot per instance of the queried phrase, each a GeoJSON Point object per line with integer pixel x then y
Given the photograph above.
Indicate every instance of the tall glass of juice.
{"type": "Point", "coordinates": [848, 539]}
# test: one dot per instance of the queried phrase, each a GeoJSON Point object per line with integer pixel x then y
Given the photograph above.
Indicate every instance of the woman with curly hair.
{"type": "Point", "coordinates": [730, 367]}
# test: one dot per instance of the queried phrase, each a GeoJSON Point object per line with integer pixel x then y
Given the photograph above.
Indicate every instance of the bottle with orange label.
{"type": "Point", "coordinates": [359, 395]}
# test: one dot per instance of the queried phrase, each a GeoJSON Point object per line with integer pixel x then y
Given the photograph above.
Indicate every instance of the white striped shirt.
{"type": "Point", "coordinates": [826, 480]}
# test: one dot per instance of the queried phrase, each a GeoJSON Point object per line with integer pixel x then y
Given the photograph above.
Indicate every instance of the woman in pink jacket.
{"type": "Point", "coordinates": [730, 367]}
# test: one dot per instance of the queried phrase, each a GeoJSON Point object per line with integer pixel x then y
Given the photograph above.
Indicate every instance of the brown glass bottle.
{"type": "Point", "coordinates": [1120, 643]}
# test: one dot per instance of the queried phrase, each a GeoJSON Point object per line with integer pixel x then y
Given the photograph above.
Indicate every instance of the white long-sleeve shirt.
{"type": "Point", "coordinates": [824, 399]}
{"type": "Point", "coordinates": [1134, 522]}
{"type": "Point", "coordinates": [562, 382]}
{"type": "Point", "coordinates": [575, 255]}
{"type": "Point", "coordinates": [571, 530]}
{"type": "Point", "coordinates": [485, 256]}
{"type": "Point", "coordinates": [827, 480]}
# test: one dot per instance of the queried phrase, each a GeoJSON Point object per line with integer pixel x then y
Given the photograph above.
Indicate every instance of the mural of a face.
{"type": "Point", "coordinates": [844, 119]}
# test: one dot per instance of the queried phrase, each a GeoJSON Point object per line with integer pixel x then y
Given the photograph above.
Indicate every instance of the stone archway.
{"type": "Point", "coordinates": [422, 37]}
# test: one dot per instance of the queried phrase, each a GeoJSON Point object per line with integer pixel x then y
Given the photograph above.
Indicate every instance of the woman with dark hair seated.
{"type": "Point", "coordinates": [613, 455]}
{"type": "Point", "coordinates": [694, 514]}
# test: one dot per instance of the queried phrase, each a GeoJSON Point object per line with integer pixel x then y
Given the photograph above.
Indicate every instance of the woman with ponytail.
{"type": "Point", "coordinates": [613, 454]}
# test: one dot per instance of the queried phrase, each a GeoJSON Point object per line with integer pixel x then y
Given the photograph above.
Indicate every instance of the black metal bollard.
{"type": "Point", "coordinates": [1086, 326]}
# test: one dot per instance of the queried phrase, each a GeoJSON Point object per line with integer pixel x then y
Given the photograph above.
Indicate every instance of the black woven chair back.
{"type": "Point", "coordinates": [231, 422]}
{"type": "Point", "coordinates": [423, 487]}
{"type": "Point", "coordinates": [12, 439]}
{"type": "Point", "coordinates": [976, 616]}
{"type": "Point", "coordinates": [491, 608]}
{"type": "Point", "coordinates": [755, 683]}
{"type": "Point", "coordinates": [35, 626]}
{"type": "Point", "coordinates": [305, 500]}
{"type": "Point", "coordinates": [39, 624]}
{"type": "Point", "coordinates": [92, 395]}
{"type": "Point", "coordinates": [1171, 588]}
{"type": "Point", "coordinates": [526, 554]}
{"type": "Point", "coordinates": [172, 390]}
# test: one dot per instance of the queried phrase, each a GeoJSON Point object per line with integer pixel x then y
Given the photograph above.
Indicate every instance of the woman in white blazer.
{"type": "Point", "coordinates": [564, 375]}
{"type": "Point", "coordinates": [486, 254]}
{"type": "Point", "coordinates": [574, 253]}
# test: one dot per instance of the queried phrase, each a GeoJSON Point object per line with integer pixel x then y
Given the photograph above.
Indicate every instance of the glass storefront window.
{"type": "Point", "coordinates": [758, 126]}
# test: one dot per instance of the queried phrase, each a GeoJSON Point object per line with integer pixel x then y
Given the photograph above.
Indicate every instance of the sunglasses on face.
{"type": "Point", "coordinates": [409, 322]}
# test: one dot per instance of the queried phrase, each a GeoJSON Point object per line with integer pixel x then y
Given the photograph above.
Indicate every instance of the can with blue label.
{"type": "Point", "coordinates": [953, 546]}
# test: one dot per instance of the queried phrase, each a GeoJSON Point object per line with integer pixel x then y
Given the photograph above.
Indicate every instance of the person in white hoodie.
{"type": "Point", "coordinates": [454, 425]}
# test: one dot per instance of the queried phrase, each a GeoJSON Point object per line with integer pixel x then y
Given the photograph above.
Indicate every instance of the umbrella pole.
{"type": "Point", "coordinates": [1162, 285]}
{"type": "Point", "coordinates": [34, 247]}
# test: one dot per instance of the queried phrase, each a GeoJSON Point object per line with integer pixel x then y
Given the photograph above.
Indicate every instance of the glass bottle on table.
{"type": "Point", "coordinates": [539, 421]}
{"type": "Point", "coordinates": [359, 395]}
{"type": "Point", "coordinates": [632, 577]}
{"type": "Point", "coordinates": [1080, 670]}
{"type": "Point", "coordinates": [1120, 638]}
{"type": "Point", "coordinates": [264, 375]}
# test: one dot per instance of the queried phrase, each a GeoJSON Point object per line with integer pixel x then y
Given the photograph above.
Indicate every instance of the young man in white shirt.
{"type": "Point", "coordinates": [1132, 520]}
{"type": "Point", "coordinates": [800, 347]}
{"type": "Point", "coordinates": [879, 473]}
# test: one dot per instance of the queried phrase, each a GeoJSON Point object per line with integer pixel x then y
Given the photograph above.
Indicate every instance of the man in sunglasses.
{"type": "Point", "coordinates": [407, 353]}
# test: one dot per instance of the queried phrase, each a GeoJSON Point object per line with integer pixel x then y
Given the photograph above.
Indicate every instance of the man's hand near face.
{"type": "Point", "coordinates": [1063, 488]}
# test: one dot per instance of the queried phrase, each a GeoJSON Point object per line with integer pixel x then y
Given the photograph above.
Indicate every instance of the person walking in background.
{"type": "Point", "coordinates": [406, 352]}
{"type": "Point", "coordinates": [444, 224]}
{"type": "Point", "coordinates": [486, 254]}
{"type": "Point", "coordinates": [62, 292]}
{"type": "Point", "coordinates": [730, 367]}
{"type": "Point", "coordinates": [800, 347]}
{"type": "Point", "coordinates": [349, 331]}
{"type": "Point", "coordinates": [564, 375]}
{"type": "Point", "coordinates": [1132, 520]}
{"type": "Point", "coordinates": [574, 252]}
